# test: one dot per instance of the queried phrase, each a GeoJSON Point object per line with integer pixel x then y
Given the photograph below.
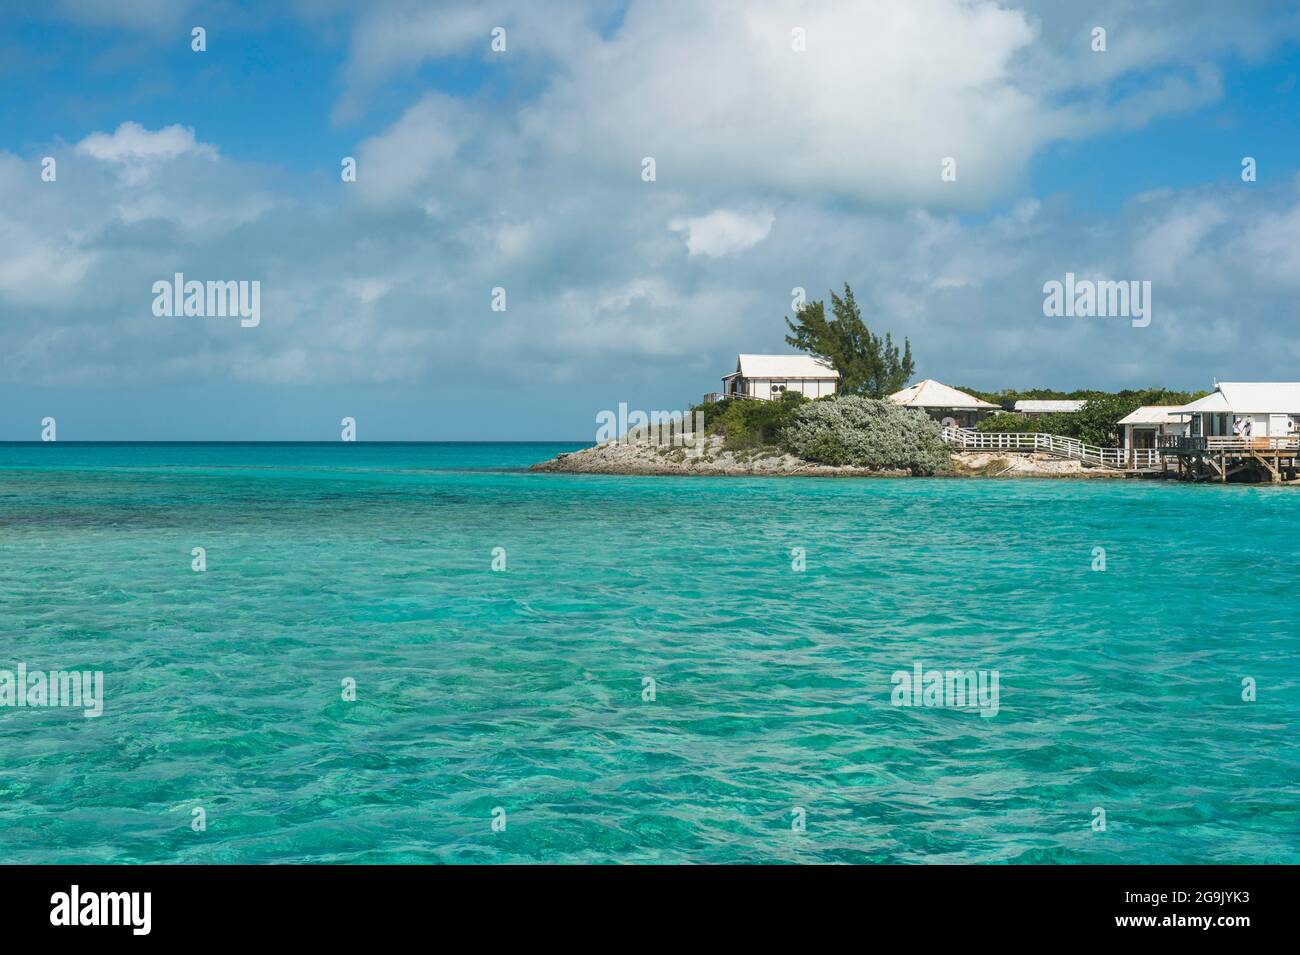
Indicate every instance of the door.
{"type": "Point", "coordinates": [1259, 426]}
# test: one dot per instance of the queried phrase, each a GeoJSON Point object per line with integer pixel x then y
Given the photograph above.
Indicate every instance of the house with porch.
{"type": "Point", "coordinates": [1242, 426]}
{"type": "Point", "coordinates": [768, 377]}
{"type": "Point", "coordinates": [944, 404]}
{"type": "Point", "coordinates": [1246, 409]}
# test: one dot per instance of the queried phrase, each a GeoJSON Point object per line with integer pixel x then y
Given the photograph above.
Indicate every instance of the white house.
{"type": "Point", "coordinates": [1246, 409]}
{"type": "Point", "coordinates": [1141, 429]}
{"type": "Point", "coordinates": [944, 403]}
{"type": "Point", "coordinates": [1033, 408]}
{"type": "Point", "coordinates": [767, 377]}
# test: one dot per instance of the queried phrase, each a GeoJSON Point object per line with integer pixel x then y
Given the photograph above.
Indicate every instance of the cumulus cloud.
{"type": "Point", "coordinates": [723, 232]}
{"type": "Point", "coordinates": [720, 97]}
{"type": "Point", "coordinates": [131, 142]}
{"type": "Point", "coordinates": [37, 268]}
{"type": "Point", "coordinates": [394, 37]}
{"type": "Point", "coordinates": [394, 163]}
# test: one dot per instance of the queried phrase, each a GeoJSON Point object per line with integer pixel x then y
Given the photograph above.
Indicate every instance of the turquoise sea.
{"type": "Point", "coordinates": [521, 690]}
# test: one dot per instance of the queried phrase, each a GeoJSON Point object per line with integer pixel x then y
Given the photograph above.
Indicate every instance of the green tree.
{"type": "Point", "coordinates": [1097, 422]}
{"type": "Point", "coordinates": [868, 364]}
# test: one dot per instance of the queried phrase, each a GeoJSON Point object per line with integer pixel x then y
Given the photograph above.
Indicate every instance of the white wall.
{"type": "Point", "coordinates": [808, 387]}
{"type": "Point", "coordinates": [1268, 425]}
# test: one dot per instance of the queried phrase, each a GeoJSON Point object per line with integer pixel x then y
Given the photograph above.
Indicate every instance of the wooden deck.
{"type": "Point", "coordinates": [1172, 444]}
{"type": "Point", "coordinates": [1219, 457]}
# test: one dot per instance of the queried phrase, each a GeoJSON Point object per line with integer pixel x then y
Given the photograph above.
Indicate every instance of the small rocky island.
{"type": "Point", "coordinates": [716, 460]}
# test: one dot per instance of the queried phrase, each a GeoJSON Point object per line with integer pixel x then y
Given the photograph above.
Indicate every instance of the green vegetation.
{"type": "Point", "coordinates": [867, 432]}
{"type": "Point", "coordinates": [749, 423]}
{"type": "Point", "coordinates": [868, 365]}
{"type": "Point", "coordinates": [1145, 396]}
{"type": "Point", "coordinates": [1096, 423]}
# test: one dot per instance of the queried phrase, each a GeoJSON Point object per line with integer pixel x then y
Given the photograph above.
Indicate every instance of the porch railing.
{"type": "Point", "coordinates": [1200, 443]}
{"type": "Point", "coordinates": [1179, 442]}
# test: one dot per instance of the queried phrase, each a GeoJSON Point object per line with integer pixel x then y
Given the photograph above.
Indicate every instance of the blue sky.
{"type": "Point", "coordinates": [520, 169]}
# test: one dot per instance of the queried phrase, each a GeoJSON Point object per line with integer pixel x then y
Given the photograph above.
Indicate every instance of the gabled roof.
{"type": "Point", "coordinates": [1250, 397]}
{"type": "Point", "coordinates": [1050, 406]}
{"type": "Point", "coordinates": [1154, 414]}
{"type": "Point", "coordinates": [784, 366]}
{"type": "Point", "coordinates": [935, 394]}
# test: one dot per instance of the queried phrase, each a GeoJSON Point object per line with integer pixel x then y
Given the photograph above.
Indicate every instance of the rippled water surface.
{"type": "Point", "coordinates": [522, 689]}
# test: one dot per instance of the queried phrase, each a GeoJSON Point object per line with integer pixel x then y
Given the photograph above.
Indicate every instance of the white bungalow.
{"type": "Point", "coordinates": [943, 403]}
{"type": "Point", "coordinates": [1246, 409]}
{"type": "Point", "coordinates": [767, 377]}
{"type": "Point", "coordinates": [1243, 429]}
{"type": "Point", "coordinates": [1142, 428]}
{"type": "Point", "coordinates": [1033, 408]}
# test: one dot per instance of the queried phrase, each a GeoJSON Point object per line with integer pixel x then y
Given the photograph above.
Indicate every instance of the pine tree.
{"type": "Point", "coordinates": [868, 365]}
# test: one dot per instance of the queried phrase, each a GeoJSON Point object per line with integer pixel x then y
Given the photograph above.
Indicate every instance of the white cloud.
{"type": "Point", "coordinates": [393, 37]}
{"type": "Point", "coordinates": [37, 267]}
{"type": "Point", "coordinates": [724, 232]}
{"type": "Point", "coordinates": [1168, 250]}
{"type": "Point", "coordinates": [721, 100]}
{"type": "Point", "coordinates": [131, 142]}
{"type": "Point", "coordinates": [397, 161]}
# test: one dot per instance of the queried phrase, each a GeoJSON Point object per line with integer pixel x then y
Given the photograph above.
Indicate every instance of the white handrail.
{"type": "Point", "coordinates": [1056, 444]}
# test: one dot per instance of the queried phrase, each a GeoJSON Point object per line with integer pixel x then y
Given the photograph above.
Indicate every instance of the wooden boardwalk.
{"type": "Point", "coordinates": [1135, 460]}
{"type": "Point", "coordinates": [1275, 459]}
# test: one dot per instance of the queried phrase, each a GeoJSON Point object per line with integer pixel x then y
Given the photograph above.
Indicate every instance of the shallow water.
{"type": "Point", "coordinates": [522, 689]}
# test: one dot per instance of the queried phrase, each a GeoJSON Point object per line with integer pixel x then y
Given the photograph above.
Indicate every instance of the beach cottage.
{"type": "Point", "coordinates": [767, 377]}
{"type": "Point", "coordinates": [1142, 428]}
{"type": "Point", "coordinates": [944, 404]}
{"type": "Point", "coordinates": [1249, 429]}
{"type": "Point", "coordinates": [1246, 409]}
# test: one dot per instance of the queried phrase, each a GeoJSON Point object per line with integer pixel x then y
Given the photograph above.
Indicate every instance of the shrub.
{"type": "Point", "coordinates": [746, 423]}
{"type": "Point", "coordinates": [713, 410]}
{"type": "Point", "coordinates": [868, 432]}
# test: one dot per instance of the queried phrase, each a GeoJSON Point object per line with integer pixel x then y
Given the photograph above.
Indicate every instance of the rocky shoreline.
{"type": "Point", "coordinates": [716, 461]}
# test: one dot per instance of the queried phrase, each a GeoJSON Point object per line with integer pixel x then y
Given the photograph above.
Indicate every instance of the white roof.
{"type": "Point", "coordinates": [935, 394]}
{"type": "Point", "coordinates": [1050, 406]}
{"type": "Point", "coordinates": [1154, 414]}
{"type": "Point", "coordinates": [784, 366]}
{"type": "Point", "coordinates": [1250, 397]}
